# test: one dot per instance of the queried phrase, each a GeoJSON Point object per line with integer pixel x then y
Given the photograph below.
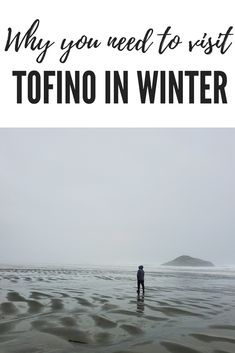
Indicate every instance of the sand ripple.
{"type": "Point", "coordinates": [178, 348]}
{"type": "Point", "coordinates": [8, 308]}
{"type": "Point", "coordinates": [212, 338]}
{"type": "Point", "coordinates": [103, 322]}
{"type": "Point", "coordinates": [132, 329]}
{"type": "Point", "coordinates": [15, 297]}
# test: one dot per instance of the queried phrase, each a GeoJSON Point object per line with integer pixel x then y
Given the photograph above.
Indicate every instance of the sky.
{"type": "Point", "coordinates": [116, 196]}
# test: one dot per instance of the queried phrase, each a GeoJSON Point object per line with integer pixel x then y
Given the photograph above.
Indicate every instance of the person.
{"type": "Point", "coordinates": [140, 279]}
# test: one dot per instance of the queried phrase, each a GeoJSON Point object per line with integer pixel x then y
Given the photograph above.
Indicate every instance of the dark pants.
{"type": "Point", "coordinates": [140, 283]}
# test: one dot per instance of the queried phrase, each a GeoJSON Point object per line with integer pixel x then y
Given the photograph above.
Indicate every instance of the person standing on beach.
{"type": "Point", "coordinates": [140, 279]}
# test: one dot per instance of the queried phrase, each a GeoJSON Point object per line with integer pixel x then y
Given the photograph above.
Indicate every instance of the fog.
{"type": "Point", "coordinates": [116, 196]}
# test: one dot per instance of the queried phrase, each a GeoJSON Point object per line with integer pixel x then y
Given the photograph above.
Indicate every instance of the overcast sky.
{"type": "Point", "coordinates": [116, 196]}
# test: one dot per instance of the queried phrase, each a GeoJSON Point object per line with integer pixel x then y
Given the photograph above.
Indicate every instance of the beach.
{"type": "Point", "coordinates": [67, 309]}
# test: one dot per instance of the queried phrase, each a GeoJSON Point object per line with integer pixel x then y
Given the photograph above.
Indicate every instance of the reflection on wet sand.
{"type": "Point", "coordinates": [140, 303]}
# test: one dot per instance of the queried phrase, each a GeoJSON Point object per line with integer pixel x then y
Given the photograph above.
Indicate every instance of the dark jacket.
{"type": "Point", "coordinates": [140, 275]}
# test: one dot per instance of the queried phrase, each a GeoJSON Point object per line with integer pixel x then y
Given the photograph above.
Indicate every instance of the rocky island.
{"type": "Point", "coordinates": [186, 260]}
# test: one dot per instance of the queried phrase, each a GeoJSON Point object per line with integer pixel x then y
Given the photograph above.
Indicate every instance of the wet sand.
{"type": "Point", "coordinates": [50, 310]}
